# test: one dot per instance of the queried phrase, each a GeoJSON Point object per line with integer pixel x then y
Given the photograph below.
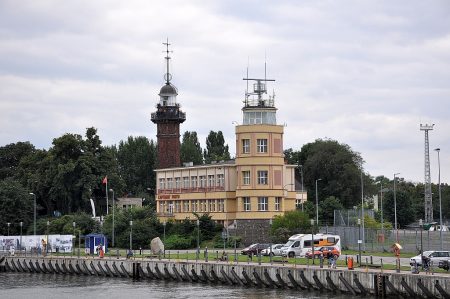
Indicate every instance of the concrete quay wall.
{"type": "Point", "coordinates": [358, 282]}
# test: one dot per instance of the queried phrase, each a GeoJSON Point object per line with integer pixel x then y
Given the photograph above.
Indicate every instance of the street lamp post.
{"type": "Point", "coordinates": [362, 209]}
{"type": "Point", "coordinates": [131, 235]}
{"type": "Point", "coordinates": [113, 223]}
{"type": "Point", "coordinates": [235, 235]}
{"type": "Point", "coordinates": [312, 239]}
{"type": "Point", "coordinates": [381, 207]}
{"type": "Point", "coordinates": [317, 204]}
{"type": "Point", "coordinates": [48, 241]}
{"type": "Point", "coordinates": [164, 238]}
{"type": "Point", "coordinates": [421, 241]}
{"type": "Point", "coordinates": [9, 223]}
{"type": "Point", "coordinates": [301, 174]}
{"type": "Point", "coordinates": [34, 225]}
{"type": "Point", "coordinates": [21, 225]}
{"type": "Point", "coordinates": [440, 199]}
{"type": "Point", "coordinates": [73, 242]}
{"type": "Point", "coordinates": [359, 241]}
{"type": "Point", "coordinates": [395, 207]}
{"type": "Point", "coordinates": [270, 244]}
{"type": "Point", "coordinates": [198, 239]}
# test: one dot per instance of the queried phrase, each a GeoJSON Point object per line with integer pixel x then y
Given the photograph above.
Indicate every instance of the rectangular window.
{"type": "Point", "coordinates": [263, 177]}
{"type": "Point", "coordinates": [193, 182]}
{"type": "Point", "coordinates": [194, 206]}
{"type": "Point", "coordinates": [212, 205]}
{"type": "Point", "coordinates": [221, 205]}
{"type": "Point", "coordinates": [177, 183]}
{"type": "Point", "coordinates": [246, 202]}
{"type": "Point", "coordinates": [261, 145]}
{"type": "Point", "coordinates": [220, 180]}
{"type": "Point", "coordinates": [245, 146]}
{"type": "Point", "coordinates": [210, 181]}
{"type": "Point", "coordinates": [185, 205]}
{"type": "Point", "coordinates": [246, 177]}
{"type": "Point", "coordinates": [277, 203]}
{"type": "Point", "coordinates": [185, 182]}
{"type": "Point", "coordinates": [161, 207]}
{"type": "Point", "coordinates": [263, 204]}
{"type": "Point", "coordinates": [162, 184]}
{"type": "Point", "coordinates": [177, 206]}
{"type": "Point", "coordinates": [202, 181]}
{"type": "Point", "coordinates": [169, 183]}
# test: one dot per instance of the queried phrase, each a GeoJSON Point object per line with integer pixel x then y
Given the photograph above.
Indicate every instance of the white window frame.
{"type": "Point", "coordinates": [247, 204]}
{"type": "Point", "coordinates": [246, 177]}
{"type": "Point", "coordinates": [261, 145]}
{"type": "Point", "coordinates": [263, 177]}
{"type": "Point", "coordinates": [245, 146]}
{"type": "Point", "coordinates": [277, 203]}
{"type": "Point", "coordinates": [263, 203]}
{"type": "Point", "coordinates": [185, 182]}
{"type": "Point", "coordinates": [193, 182]}
{"type": "Point", "coordinates": [210, 180]}
{"type": "Point", "coordinates": [202, 179]}
{"type": "Point", "coordinates": [162, 184]}
{"type": "Point", "coordinates": [169, 183]}
{"type": "Point", "coordinates": [220, 180]}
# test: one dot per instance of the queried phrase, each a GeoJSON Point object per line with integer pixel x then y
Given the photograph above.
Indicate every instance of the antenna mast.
{"type": "Point", "coordinates": [167, 75]}
{"type": "Point", "coordinates": [428, 196]}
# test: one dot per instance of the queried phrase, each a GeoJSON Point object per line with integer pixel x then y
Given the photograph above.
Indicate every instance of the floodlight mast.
{"type": "Point", "coordinates": [428, 195]}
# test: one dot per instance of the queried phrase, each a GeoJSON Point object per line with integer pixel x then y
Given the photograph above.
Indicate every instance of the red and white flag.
{"type": "Point", "coordinates": [105, 180]}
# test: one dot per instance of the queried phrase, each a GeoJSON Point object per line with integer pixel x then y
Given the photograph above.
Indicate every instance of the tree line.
{"type": "Point", "coordinates": [66, 176]}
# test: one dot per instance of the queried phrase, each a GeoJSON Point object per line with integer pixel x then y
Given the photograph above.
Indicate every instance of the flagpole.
{"type": "Point", "coordinates": [107, 201]}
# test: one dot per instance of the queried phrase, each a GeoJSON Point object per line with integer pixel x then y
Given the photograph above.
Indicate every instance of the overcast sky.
{"type": "Point", "coordinates": [364, 73]}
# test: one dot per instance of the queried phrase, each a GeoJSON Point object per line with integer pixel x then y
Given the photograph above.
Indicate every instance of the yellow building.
{"type": "Point", "coordinates": [256, 186]}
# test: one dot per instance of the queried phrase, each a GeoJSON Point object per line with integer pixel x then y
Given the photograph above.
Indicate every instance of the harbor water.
{"type": "Point", "coordinates": [36, 286]}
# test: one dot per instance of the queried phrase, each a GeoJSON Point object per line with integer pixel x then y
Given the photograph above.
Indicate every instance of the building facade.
{"type": "Point", "coordinates": [251, 189]}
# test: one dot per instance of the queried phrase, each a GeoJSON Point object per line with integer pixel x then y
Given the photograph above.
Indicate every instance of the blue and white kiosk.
{"type": "Point", "coordinates": [93, 240]}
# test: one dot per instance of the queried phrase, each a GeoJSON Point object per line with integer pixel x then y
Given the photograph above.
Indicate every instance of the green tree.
{"type": "Point", "coordinates": [216, 149]}
{"type": "Point", "coordinates": [292, 222]}
{"type": "Point", "coordinates": [190, 149]}
{"type": "Point", "coordinates": [10, 156]}
{"type": "Point", "coordinates": [405, 211]}
{"type": "Point", "coordinates": [137, 160]}
{"type": "Point", "coordinates": [16, 205]}
{"type": "Point", "coordinates": [338, 167]}
{"type": "Point", "coordinates": [326, 210]}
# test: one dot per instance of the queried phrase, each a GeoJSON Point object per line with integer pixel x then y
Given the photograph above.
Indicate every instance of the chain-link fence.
{"type": "Point", "coordinates": [412, 240]}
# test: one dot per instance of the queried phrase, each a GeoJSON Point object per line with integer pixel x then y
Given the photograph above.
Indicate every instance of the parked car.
{"type": "Point", "coordinates": [434, 256]}
{"type": "Point", "coordinates": [323, 251]}
{"type": "Point", "coordinates": [276, 250]}
{"type": "Point", "coordinates": [444, 265]}
{"type": "Point", "coordinates": [254, 249]}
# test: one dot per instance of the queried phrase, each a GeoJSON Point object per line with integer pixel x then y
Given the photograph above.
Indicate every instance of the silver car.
{"type": "Point", "coordinates": [434, 256]}
{"type": "Point", "coordinates": [276, 250]}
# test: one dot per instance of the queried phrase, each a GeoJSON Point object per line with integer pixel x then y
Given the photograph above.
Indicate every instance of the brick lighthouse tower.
{"type": "Point", "coordinates": [168, 118]}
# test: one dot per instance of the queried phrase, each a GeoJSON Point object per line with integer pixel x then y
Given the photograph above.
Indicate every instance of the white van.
{"type": "Point", "coordinates": [300, 244]}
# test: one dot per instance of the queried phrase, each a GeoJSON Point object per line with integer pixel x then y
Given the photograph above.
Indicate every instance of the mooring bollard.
{"type": "Point", "coordinates": [346, 259]}
{"type": "Point", "coordinates": [206, 254]}
{"type": "Point", "coordinates": [217, 255]}
{"type": "Point", "coordinates": [381, 263]}
{"type": "Point", "coordinates": [259, 258]}
{"type": "Point", "coordinates": [117, 253]}
{"type": "Point", "coordinates": [321, 261]}
{"type": "Point", "coordinates": [397, 265]}
{"type": "Point", "coordinates": [371, 260]}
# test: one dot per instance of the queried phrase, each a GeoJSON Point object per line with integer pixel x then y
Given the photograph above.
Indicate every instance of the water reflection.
{"type": "Point", "coordinates": [36, 286]}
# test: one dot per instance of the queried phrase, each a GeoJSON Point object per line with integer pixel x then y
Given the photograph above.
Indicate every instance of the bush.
{"type": "Point", "coordinates": [179, 242]}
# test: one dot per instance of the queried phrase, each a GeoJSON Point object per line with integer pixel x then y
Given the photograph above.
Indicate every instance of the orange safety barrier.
{"type": "Point", "coordinates": [350, 263]}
